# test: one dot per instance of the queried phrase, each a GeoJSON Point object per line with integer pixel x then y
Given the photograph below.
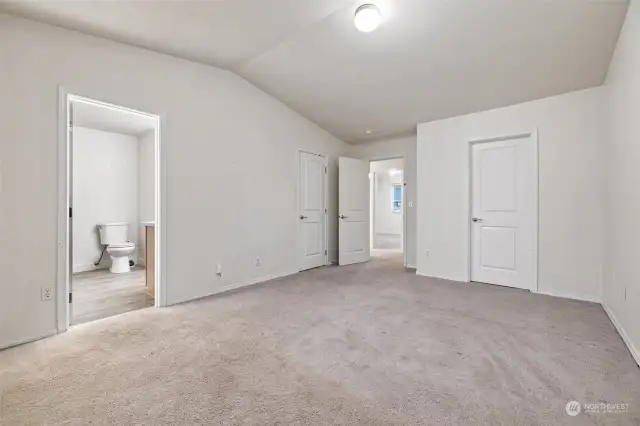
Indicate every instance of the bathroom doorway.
{"type": "Point", "coordinates": [112, 204]}
{"type": "Point", "coordinates": [387, 210]}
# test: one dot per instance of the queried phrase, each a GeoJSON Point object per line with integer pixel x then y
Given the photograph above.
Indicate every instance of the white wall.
{"type": "Point", "coordinates": [105, 189]}
{"type": "Point", "coordinates": [228, 145]}
{"type": "Point", "coordinates": [622, 222]}
{"type": "Point", "coordinates": [397, 147]}
{"type": "Point", "coordinates": [385, 220]}
{"type": "Point", "coordinates": [146, 186]}
{"type": "Point", "coordinates": [570, 129]}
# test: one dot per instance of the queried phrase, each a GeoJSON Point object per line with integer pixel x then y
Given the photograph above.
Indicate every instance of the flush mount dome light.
{"type": "Point", "coordinates": [368, 18]}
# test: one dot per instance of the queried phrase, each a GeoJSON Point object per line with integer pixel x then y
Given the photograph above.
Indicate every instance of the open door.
{"type": "Point", "coordinates": [311, 203]}
{"type": "Point", "coordinates": [353, 205]}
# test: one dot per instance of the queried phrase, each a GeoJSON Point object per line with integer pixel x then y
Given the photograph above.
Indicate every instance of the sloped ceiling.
{"type": "Point", "coordinates": [430, 59]}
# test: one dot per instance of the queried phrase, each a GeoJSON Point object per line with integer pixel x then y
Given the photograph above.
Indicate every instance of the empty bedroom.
{"type": "Point", "coordinates": [319, 212]}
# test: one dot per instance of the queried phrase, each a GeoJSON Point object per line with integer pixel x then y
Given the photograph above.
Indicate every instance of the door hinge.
{"type": "Point", "coordinates": [325, 252]}
{"type": "Point", "coordinates": [325, 211]}
{"type": "Point", "coordinates": [325, 169]}
{"type": "Point", "coordinates": [70, 212]}
{"type": "Point", "coordinates": [70, 297]}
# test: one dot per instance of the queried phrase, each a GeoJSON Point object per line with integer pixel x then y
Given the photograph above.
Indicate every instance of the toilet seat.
{"type": "Point", "coordinates": [121, 245]}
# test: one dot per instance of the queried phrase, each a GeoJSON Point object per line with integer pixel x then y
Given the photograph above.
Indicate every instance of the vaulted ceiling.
{"type": "Point", "coordinates": [430, 59]}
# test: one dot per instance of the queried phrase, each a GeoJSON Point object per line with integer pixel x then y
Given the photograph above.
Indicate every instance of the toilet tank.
{"type": "Point", "coordinates": [113, 233]}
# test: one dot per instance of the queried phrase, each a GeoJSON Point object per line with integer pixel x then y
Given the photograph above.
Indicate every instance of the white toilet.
{"type": "Point", "coordinates": [114, 236]}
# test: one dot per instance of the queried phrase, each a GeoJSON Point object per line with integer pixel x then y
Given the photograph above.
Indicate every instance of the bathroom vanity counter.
{"type": "Point", "coordinates": [150, 256]}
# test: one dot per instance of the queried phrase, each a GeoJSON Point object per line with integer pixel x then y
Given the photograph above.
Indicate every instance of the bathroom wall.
{"type": "Point", "coordinates": [146, 186]}
{"type": "Point", "coordinates": [105, 189]}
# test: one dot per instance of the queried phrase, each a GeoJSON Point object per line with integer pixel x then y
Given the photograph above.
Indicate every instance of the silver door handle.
{"type": "Point", "coordinates": [302, 217]}
{"type": "Point", "coordinates": [476, 219]}
{"type": "Point", "coordinates": [342, 216]}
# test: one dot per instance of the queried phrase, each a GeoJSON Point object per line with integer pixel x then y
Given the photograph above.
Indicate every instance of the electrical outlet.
{"type": "Point", "coordinates": [47, 293]}
{"type": "Point", "coordinates": [257, 261]}
{"type": "Point", "coordinates": [426, 252]}
{"type": "Point", "coordinates": [219, 269]}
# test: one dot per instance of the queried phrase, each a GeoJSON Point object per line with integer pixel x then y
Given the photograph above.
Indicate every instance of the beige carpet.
{"type": "Point", "coordinates": [364, 344]}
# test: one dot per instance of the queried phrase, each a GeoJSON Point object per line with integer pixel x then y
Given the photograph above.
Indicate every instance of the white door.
{"type": "Point", "coordinates": [504, 212]}
{"type": "Point", "coordinates": [312, 212]}
{"type": "Point", "coordinates": [353, 207]}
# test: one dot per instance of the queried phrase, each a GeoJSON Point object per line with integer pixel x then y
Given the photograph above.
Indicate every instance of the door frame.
{"type": "Point", "coordinates": [325, 194]}
{"type": "Point", "coordinates": [404, 204]}
{"type": "Point", "coordinates": [64, 256]}
{"type": "Point", "coordinates": [533, 138]}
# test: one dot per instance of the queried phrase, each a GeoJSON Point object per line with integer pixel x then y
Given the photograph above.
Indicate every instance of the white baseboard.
{"type": "Point", "coordinates": [580, 298]}
{"type": "Point", "coordinates": [105, 264]}
{"type": "Point", "coordinates": [422, 274]}
{"type": "Point", "coordinates": [464, 280]}
{"type": "Point", "coordinates": [230, 287]}
{"type": "Point", "coordinates": [635, 353]}
{"type": "Point", "coordinates": [88, 267]}
{"type": "Point", "coordinates": [28, 340]}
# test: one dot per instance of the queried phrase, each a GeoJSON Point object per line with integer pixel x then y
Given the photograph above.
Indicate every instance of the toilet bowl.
{"type": "Point", "coordinates": [120, 254]}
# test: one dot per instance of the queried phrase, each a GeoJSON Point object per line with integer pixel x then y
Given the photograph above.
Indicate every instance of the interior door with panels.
{"type": "Point", "coordinates": [353, 205]}
{"type": "Point", "coordinates": [504, 212]}
{"type": "Point", "coordinates": [312, 211]}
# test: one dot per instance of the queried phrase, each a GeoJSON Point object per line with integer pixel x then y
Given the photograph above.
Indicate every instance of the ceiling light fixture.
{"type": "Point", "coordinates": [368, 18]}
{"type": "Point", "coordinates": [368, 132]}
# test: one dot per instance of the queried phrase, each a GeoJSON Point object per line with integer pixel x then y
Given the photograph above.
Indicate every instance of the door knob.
{"type": "Point", "coordinates": [302, 217]}
{"type": "Point", "coordinates": [476, 219]}
{"type": "Point", "coordinates": [342, 216]}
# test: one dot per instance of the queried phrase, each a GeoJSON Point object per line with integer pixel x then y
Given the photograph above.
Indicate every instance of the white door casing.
{"type": "Point", "coordinates": [372, 208]}
{"type": "Point", "coordinates": [312, 211]}
{"type": "Point", "coordinates": [65, 181]}
{"type": "Point", "coordinates": [504, 206]}
{"type": "Point", "coordinates": [353, 207]}
{"type": "Point", "coordinates": [69, 274]}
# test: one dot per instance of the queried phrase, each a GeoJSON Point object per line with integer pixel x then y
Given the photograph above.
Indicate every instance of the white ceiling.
{"type": "Point", "coordinates": [386, 165]}
{"type": "Point", "coordinates": [430, 59]}
{"type": "Point", "coordinates": [111, 120]}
